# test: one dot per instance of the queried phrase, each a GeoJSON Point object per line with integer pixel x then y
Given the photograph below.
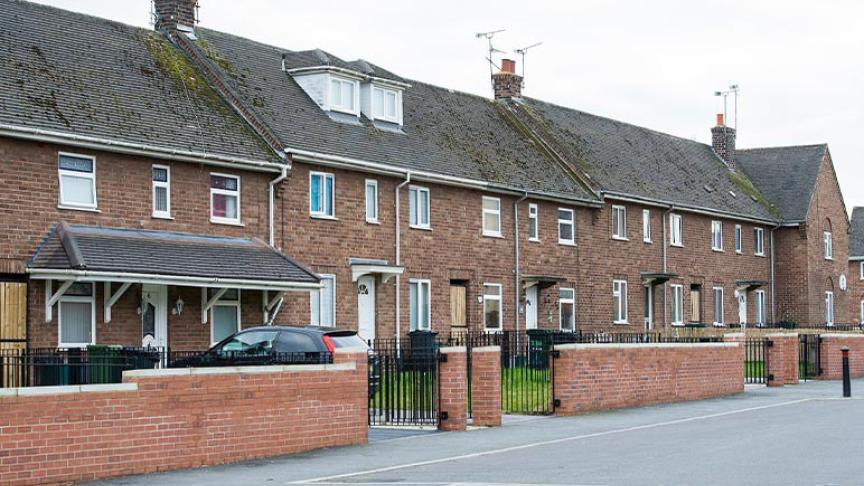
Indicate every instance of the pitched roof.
{"type": "Point", "coordinates": [91, 248]}
{"type": "Point", "coordinates": [786, 175]}
{"type": "Point", "coordinates": [626, 159]}
{"type": "Point", "coordinates": [85, 76]}
{"type": "Point", "coordinates": [445, 132]}
{"type": "Point", "coordinates": [856, 237]}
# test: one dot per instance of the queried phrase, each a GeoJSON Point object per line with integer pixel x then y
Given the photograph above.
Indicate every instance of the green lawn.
{"type": "Point", "coordinates": [526, 390]}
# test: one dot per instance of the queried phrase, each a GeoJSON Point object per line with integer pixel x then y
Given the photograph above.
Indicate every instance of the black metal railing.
{"type": "Point", "coordinates": [403, 382]}
{"type": "Point", "coordinates": [105, 364]}
{"type": "Point", "coordinates": [836, 327]}
{"type": "Point", "coordinates": [755, 363]}
{"type": "Point", "coordinates": [808, 356]}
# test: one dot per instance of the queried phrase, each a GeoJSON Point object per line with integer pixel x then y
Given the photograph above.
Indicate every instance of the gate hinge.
{"type": "Point", "coordinates": [769, 344]}
{"type": "Point", "coordinates": [442, 358]}
{"type": "Point", "coordinates": [556, 353]}
{"type": "Point", "coordinates": [556, 403]}
{"type": "Point", "coordinates": [770, 377]}
{"type": "Point", "coordinates": [443, 416]}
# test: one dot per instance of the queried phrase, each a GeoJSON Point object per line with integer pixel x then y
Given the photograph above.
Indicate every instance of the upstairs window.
{"type": "Point", "coordinates": [342, 95]}
{"type": "Point", "coordinates": [491, 216]}
{"type": "Point", "coordinates": [385, 104]}
{"type": "Point", "coordinates": [224, 199]}
{"type": "Point", "coordinates": [371, 201]}
{"type": "Point", "coordinates": [676, 234]}
{"type": "Point", "coordinates": [716, 235]}
{"type": "Point", "coordinates": [567, 309]}
{"type": "Point", "coordinates": [619, 222]}
{"type": "Point", "coordinates": [533, 228]}
{"type": "Point", "coordinates": [759, 241]}
{"type": "Point", "coordinates": [322, 303]}
{"type": "Point", "coordinates": [161, 191]}
{"type": "Point", "coordinates": [646, 225]}
{"type": "Point", "coordinates": [619, 301]}
{"type": "Point", "coordinates": [321, 189]}
{"type": "Point", "coordinates": [828, 245]}
{"type": "Point", "coordinates": [738, 239]}
{"type": "Point", "coordinates": [566, 231]}
{"type": "Point", "coordinates": [418, 207]}
{"type": "Point", "coordinates": [419, 299]}
{"type": "Point", "coordinates": [77, 181]}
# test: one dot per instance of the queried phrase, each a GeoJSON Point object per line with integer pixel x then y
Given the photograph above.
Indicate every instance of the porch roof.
{"type": "Point", "coordinates": [77, 252]}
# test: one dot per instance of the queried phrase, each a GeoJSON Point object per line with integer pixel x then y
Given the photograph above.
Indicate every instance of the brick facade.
{"type": "Point", "coordinates": [159, 420]}
{"type": "Point", "coordinates": [830, 355]}
{"type": "Point", "coordinates": [595, 377]}
{"type": "Point", "coordinates": [855, 305]}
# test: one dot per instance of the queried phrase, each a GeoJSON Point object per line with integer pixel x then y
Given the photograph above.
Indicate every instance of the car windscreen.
{"type": "Point", "coordinates": [351, 341]}
{"type": "Point", "coordinates": [250, 342]}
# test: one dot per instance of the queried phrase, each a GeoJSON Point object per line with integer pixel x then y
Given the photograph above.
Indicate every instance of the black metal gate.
{"type": "Point", "coordinates": [808, 356]}
{"type": "Point", "coordinates": [527, 368]}
{"type": "Point", "coordinates": [403, 383]}
{"type": "Point", "coordinates": [754, 360]}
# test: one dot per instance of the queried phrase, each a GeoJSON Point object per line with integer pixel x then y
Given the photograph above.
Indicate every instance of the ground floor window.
{"type": "Point", "coordinates": [619, 301]}
{"type": "Point", "coordinates": [717, 298]}
{"type": "Point", "coordinates": [566, 309]}
{"type": "Point", "coordinates": [862, 312]}
{"type": "Point", "coordinates": [77, 316]}
{"type": "Point", "coordinates": [829, 308]}
{"type": "Point", "coordinates": [760, 307]}
{"type": "Point", "coordinates": [322, 303]}
{"type": "Point", "coordinates": [492, 308]}
{"type": "Point", "coordinates": [677, 305]}
{"type": "Point", "coordinates": [419, 300]}
{"type": "Point", "coordinates": [225, 315]}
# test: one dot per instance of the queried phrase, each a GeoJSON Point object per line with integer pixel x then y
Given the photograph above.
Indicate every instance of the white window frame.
{"type": "Point", "coordinates": [421, 282]}
{"type": "Point", "coordinates": [861, 271]}
{"type": "Point", "coordinates": [828, 245]}
{"type": "Point", "coordinates": [861, 315]}
{"type": "Point", "coordinates": [619, 309]}
{"type": "Point", "coordinates": [739, 239]}
{"type": "Point", "coordinates": [619, 216]}
{"type": "Point", "coordinates": [316, 302]}
{"type": "Point", "coordinates": [571, 222]}
{"type": "Point", "coordinates": [677, 304]}
{"type": "Point", "coordinates": [91, 299]}
{"type": "Point", "coordinates": [534, 215]}
{"type": "Point", "coordinates": [718, 295]}
{"type": "Point", "coordinates": [83, 175]}
{"type": "Point", "coordinates": [676, 230]}
{"type": "Point", "coordinates": [500, 298]}
{"type": "Point", "coordinates": [760, 307]}
{"type": "Point", "coordinates": [491, 213]}
{"type": "Point", "coordinates": [414, 201]}
{"type": "Point", "coordinates": [717, 235]}
{"type": "Point", "coordinates": [562, 300]}
{"type": "Point", "coordinates": [167, 186]}
{"type": "Point", "coordinates": [646, 225]}
{"type": "Point", "coordinates": [355, 97]}
{"type": "Point", "coordinates": [225, 303]}
{"type": "Point", "coordinates": [759, 241]}
{"type": "Point", "coordinates": [372, 219]}
{"type": "Point", "coordinates": [829, 308]}
{"type": "Point", "coordinates": [383, 116]}
{"type": "Point", "coordinates": [323, 196]}
{"type": "Point", "coordinates": [224, 192]}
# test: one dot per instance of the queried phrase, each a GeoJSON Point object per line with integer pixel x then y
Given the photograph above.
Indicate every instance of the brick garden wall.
{"type": "Point", "coordinates": [159, 420]}
{"type": "Point", "coordinates": [595, 377]}
{"type": "Point", "coordinates": [830, 356]}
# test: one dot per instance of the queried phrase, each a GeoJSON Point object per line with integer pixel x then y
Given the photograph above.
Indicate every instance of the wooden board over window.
{"type": "Point", "coordinates": [13, 314]}
{"type": "Point", "coordinates": [458, 304]}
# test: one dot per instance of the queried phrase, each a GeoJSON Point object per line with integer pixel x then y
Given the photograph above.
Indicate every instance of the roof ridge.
{"type": "Point", "coordinates": [73, 227]}
{"type": "Point", "coordinates": [64, 11]}
{"type": "Point", "coordinates": [776, 147]}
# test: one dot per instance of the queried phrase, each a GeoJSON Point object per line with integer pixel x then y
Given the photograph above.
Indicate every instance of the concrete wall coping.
{"type": "Point", "coordinates": [782, 334]}
{"type": "Point", "coordinates": [352, 349]}
{"type": "Point", "coordinates": [227, 370]}
{"type": "Point", "coordinates": [589, 346]}
{"type": "Point", "coordinates": [453, 349]}
{"type": "Point", "coordinates": [841, 336]}
{"type": "Point", "coordinates": [486, 349]}
{"type": "Point", "coordinates": [62, 390]}
{"type": "Point", "coordinates": [734, 335]}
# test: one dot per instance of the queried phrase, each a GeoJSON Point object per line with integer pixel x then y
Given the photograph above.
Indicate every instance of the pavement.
{"type": "Point", "coordinates": [804, 434]}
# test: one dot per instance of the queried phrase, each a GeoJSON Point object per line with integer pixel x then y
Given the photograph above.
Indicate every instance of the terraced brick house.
{"type": "Point", "coordinates": [856, 266]}
{"type": "Point", "coordinates": [250, 184]}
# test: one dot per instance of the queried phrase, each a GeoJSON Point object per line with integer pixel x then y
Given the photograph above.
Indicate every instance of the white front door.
{"type": "Point", "coordinates": [154, 316]}
{"type": "Point", "coordinates": [742, 306]}
{"type": "Point", "coordinates": [366, 307]}
{"type": "Point", "coordinates": [531, 307]}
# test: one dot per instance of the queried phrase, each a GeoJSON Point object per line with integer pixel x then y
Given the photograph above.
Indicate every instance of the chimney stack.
{"type": "Point", "coordinates": [506, 83]}
{"type": "Point", "coordinates": [175, 15]}
{"type": "Point", "coordinates": [723, 140]}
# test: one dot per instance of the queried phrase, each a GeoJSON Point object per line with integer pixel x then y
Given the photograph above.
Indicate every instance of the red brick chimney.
{"type": "Point", "coordinates": [506, 83]}
{"type": "Point", "coordinates": [723, 140]}
{"type": "Point", "coordinates": [173, 15]}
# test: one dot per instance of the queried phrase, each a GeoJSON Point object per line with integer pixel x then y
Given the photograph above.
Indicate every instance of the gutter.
{"type": "Point", "coordinates": [518, 273]}
{"type": "Point", "coordinates": [399, 260]}
{"type": "Point", "coordinates": [773, 263]}
{"type": "Point", "coordinates": [684, 208]}
{"type": "Point", "coordinates": [109, 145]}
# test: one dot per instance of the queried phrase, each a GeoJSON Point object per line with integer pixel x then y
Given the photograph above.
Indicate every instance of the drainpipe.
{"type": "Point", "coordinates": [518, 272]}
{"type": "Point", "coordinates": [271, 203]}
{"type": "Point", "coordinates": [399, 258]}
{"type": "Point", "coordinates": [773, 262]}
{"type": "Point", "coordinates": [665, 267]}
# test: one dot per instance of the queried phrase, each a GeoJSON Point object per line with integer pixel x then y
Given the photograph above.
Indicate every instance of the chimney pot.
{"type": "Point", "coordinates": [720, 121]}
{"type": "Point", "coordinates": [508, 66]}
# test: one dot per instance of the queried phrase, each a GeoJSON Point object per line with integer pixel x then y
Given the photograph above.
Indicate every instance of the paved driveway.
{"type": "Point", "coordinates": [801, 434]}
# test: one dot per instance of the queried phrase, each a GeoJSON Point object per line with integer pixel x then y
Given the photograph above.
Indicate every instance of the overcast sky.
{"type": "Point", "coordinates": [656, 64]}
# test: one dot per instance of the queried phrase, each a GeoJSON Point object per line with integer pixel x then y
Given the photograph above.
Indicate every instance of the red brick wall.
{"type": "Point", "coordinates": [178, 420]}
{"type": "Point", "coordinates": [595, 377]}
{"type": "Point", "coordinates": [830, 356]}
{"type": "Point", "coordinates": [486, 386]}
{"type": "Point", "coordinates": [781, 359]}
{"type": "Point", "coordinates": [453, 386]}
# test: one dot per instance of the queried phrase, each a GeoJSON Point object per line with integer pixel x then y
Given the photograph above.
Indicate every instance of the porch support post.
{"type": "Point", "coordinates": [207, 304]}
{"type": "Point", "coordinates": [110, 299]}
{"type": "Point", "coordinates": [52, 298]}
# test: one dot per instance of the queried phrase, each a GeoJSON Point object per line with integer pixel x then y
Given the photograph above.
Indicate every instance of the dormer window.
{"type": "Point", "coordinates": [342, 95]}
{"type": "Point", "coordinates": [385, 104]}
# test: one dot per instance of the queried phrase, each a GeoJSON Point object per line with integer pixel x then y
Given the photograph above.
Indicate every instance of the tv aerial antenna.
{"type": "Point", "coordinates": [733, 90]}
{"type": "Point", "coordinates": [522, 53]}
{"type": "Point", "coordinates": [492, 50]}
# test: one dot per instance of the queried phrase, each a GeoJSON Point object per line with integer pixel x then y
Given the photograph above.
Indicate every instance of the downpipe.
{"type": "Point", "coordinates": [272, 203]}
{"type": "Point", "coordinates": [518, 272]}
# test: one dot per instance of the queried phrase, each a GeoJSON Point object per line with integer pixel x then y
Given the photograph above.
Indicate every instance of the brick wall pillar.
{"type": "Point", "coordinates": [486, 386]}
{"type": "Point", "coordinates": [781, 359]}
{"type": "Point", "coordinates": [830, 357]}
{"type": "Point", "coordinates": [453, 376]}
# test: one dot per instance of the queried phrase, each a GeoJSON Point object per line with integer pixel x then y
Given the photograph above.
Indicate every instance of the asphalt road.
{"type": "Point", "coordinates": [802, 434]}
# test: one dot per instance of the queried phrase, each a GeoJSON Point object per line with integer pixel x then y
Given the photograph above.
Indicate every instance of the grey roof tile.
{"type": "Point", "coordinates": [856, 237]}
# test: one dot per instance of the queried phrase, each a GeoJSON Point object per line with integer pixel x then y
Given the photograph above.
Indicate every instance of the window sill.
{"type": "Point", "coordinates": [759, 255]}
{"type": "Point", "coordinates": [717, 250]}
{"type": "Point", "coordinates": [373, 221]}
{"type": "Point", "coordinates": [76, 208]}
{"type": "Point", "coordinates": [620, 238]}
{"type": "Point", "coordinates": [678, 324]}
{"type": "Point", "coordinates": [647, 242]}
{"type": "Point", "coordinates": [227, 223]}
{"type": "Point", "coordinates": [537, 240]}
{"type": "Point", "coordinates": [324, 217]}
{"type": "Point", "coordinates": [739, 252]}
{"type": "Point", "coordinates": [681, 245]}
{"type": "Point", "coordinates": [719, 324]}
{"type": "Point", "coordinates": [621, 323]}
{"type": "Point", "coordinates": [74, 345]}
{"type": "Point", "coordinates": [567, 243]}
{"type": "Point", "coordinates": [493, 235]}
{"type": "Point", "coordinates": [424, 228]}
{"type": "Point", "coordinates": [156, 216]}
